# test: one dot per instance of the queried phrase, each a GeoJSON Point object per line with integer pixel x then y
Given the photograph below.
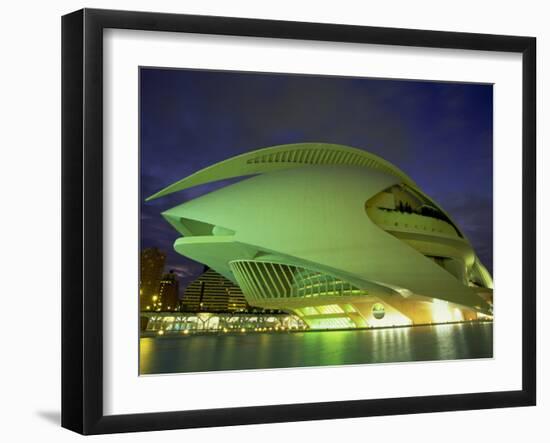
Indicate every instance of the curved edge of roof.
{"type": "Point", "coordinates": [283, 157]}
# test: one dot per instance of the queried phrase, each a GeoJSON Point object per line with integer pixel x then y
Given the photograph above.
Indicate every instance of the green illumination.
{"type": "Point", "coordinates": [378, 311]}
{"type": "Point", "coordinates": [325, 231]}
{"type": "Point", "coordinates": [331, 323]}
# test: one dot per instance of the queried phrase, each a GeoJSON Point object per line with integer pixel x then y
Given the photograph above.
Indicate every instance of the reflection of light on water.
{"type": "Point", "coordinates": [146, 346]}
{"type": "Point", "coordinates": [390, 344]}
{"type": "Point", "coordinates": [451, 342]}
{"type": "Point", "coordinates": [403, 342]}
{"type": "Point", "coordinates": [197, 353]}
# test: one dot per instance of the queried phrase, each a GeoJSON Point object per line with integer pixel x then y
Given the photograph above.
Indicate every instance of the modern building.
{"type": "Point", "coordinates": [212, 292]}
{"type": "Point", "coordinates": [334, 234]}
{"type": "Point", "coordinates": [175, 323]}
{"type": "Point", "coordinates": [151, 267]}
{"type": "Point", "coordinates": [169, 292]}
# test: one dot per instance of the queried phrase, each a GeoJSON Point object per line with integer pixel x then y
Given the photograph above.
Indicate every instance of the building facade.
{"type": "Point", "coordinates": [211, 292]}
{"type": "Point", "coordinates": [151, 267]}
{"type": "Point", "coordinates": [334, 234]}
{"type": "Point", "coordinates": [169, 292]}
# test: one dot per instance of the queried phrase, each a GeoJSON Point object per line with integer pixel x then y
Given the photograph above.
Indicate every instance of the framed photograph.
{"type": "Point", "coordinates": [269, 221]}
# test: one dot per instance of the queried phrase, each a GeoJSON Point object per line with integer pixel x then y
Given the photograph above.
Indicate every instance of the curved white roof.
{"type": "Point", "coordinates": [285, 157]}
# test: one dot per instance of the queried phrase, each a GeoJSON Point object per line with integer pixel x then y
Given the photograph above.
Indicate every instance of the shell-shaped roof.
{"type": "Point", "coordinates": [283, 157]}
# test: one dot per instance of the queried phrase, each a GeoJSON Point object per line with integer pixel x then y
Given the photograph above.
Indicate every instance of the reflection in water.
{"type": "Point", "coordinates": [283, 350]}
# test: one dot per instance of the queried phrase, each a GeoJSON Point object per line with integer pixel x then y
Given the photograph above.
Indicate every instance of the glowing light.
{"type": "Point", "coordinates": [309, 310]}
{"type": "Point", "coordinates": [331, 323]}
{"type": "Point", "coordinates": [160, 332]}
{"type": "Point", "coordinates": [457, 315]}
{"type": "Point", "coordinates": [243, 330]}
{"type": "Point", "coordinates": [481, 316]}
{"type": "Point", "coordinates": [441, 312]}
{"type": "Point", "coordinates": [330, 309]}
{"type": "Point", "coordinates": [405, 293]}
{"type": "Point", "coordinates": [155, 297]}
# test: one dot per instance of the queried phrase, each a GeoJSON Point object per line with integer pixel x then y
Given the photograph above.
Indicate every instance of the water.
{"type": "Point", "coordinates": [282, 350]}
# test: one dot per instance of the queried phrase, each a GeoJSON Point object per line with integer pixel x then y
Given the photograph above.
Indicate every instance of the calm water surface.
{"type": "Point", "coordinates": [283, 350]}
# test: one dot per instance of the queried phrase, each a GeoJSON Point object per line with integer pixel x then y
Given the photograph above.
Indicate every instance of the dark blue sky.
{"type": "Point", "coordinates": [439, 133]}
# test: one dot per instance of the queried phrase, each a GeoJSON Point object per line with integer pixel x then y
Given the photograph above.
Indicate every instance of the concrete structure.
{"type": "Point", "coordinates": [337, 235]}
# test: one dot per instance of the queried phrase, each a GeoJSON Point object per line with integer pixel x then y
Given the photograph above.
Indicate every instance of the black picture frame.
{"type": "Point", "coordinates": [82, 215]}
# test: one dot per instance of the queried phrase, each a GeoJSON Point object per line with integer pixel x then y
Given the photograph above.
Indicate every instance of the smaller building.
{"type": "Point", "coordinates": [211, 292]}
{"type": "Point", "coordinates": [169, 292]}
{"type": "Point", "coordinates": [151, 265]}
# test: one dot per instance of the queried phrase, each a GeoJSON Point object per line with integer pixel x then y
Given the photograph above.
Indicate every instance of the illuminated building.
{"type": "Point", "coordinates": [213, 293]}
{"type": "Point", "coordinates": [168, 323]}
{"type": "Point", "coordinates": [336, 235]}
{"type": "Point", "coordinates": [151, 267]}
{"type": "Point", "coordinates": [168, 292]}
